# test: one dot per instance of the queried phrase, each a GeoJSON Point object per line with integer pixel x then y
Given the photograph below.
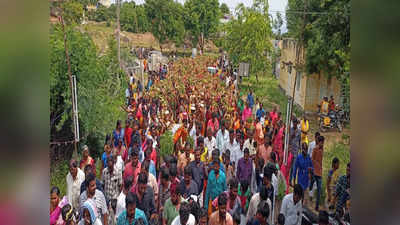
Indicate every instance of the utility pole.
{"type": "Point", "coordinates": [297, 64]}
{"type": "Point", "coordinates": [75, 153]}
{"type": "Point", "coordinates": [298, 48]}
{"type": "Point", "coordinates": [118, 34]}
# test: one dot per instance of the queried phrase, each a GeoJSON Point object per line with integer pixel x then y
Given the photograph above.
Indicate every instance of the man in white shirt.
{"type": "Point", "coordinates": [222, 138]}
{"type": "Point", "coordinates": [185, 217]}
{"type": "Point", "coordinates": [255, 200]}
{"type": "Point", "coordinates": [210, 142]}
{"type": "Point", "coordinates": [121, 198]}
{"type": "Point", "coordinates": [233, 147]}
{"type": "Point", "coordinates": [74, 178]}
{"type": "Point", "coordinates": [249, 143]}
{"type": "Point", "coordinates": [292, 207]}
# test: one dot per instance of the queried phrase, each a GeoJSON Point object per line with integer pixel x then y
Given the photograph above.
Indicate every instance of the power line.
{"type": "Point", "coordinates": [308, 12]}
{"type": "Point", "coordinates": [300, 12]}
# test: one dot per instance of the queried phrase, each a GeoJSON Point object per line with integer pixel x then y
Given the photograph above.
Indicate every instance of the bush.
{"type": "Point", "coordinates": [166, 144]}
{"type": "Point", "coordinates": [58, 176]}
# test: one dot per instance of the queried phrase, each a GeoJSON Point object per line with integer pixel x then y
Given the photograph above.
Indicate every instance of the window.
{"type": "Point", "coordinates": [298, 80]}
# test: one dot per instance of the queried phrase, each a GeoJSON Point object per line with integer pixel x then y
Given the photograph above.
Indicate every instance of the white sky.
{"type": "Point", "coordinates": [274, 5]}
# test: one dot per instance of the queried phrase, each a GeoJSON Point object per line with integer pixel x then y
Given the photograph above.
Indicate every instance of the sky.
{"type": "Point", "coordinates": [274, 5]}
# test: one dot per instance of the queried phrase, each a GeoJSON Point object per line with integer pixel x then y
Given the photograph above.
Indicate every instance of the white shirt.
{"type": "Point", "coordinates": [274, 182]}
{"type": "Point", "coordinates": [177, 220]}
{"type": "Point", "coordinates": [311, 146]}
{"type": "Point", "coordinates": [152, 182]}
{"type": "Point", "coordinates": [228, 79]}
{"type": "Point", "coordinates": [222, 138]}
{"type": "Point", "coordinates": [127, 93]}
{"type": "Point", "coordinates": [292, 212]}
{"type": "Point", "coordinates": [120, 203]}
{"type": "Point", "coordinates": [119, 165]}
{"type": "Point", "coordinates": [262, 120]}
{"type": "Point", "coordinates": [210, 145]}
{"type": "Point", "coordinates": [74, 188]}
{"type": "Point", "coordinates": [234, 148]}
{"type": "Point", "coordinates": [250, 146]}
{"type": "Point", "coordinates": [96, 222]}
{"type": "Point", "coordinates": [131, 80]}
{"type": "Point", "coordinates": [254, 201]}
{"type": "Point", "coordinates": [192, 133]}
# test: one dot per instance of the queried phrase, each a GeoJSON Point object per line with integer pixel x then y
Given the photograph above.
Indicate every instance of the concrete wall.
{"type": "Point", "coordinates": [312, 87]}
{"type": "Point", "coordinates": [318, 86]}
{"type": "Point", "coordinates": [286, 79]}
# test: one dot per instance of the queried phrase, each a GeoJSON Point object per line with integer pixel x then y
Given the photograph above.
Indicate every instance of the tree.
{"type": "Point", "coordinates": [201, 20]}
{"type": "Point", "coordinates": [72, 12]}
{"type": "Point", "coordinates": [166, 20]}
{"type": "Point", "coordinates": [99, 86]}
{"type": "Point", "coordinates": [248, 38]}
{"type": "Point", "coordinates": [277, 25]}
{"type": "Point", "coordinates": [326, 35]}
{"type": "Point", "coordinates": [224, 9]}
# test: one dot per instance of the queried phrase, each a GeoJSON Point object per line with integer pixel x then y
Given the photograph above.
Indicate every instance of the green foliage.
{"type": "Point", "coordinates": [166, 20]}
{"type": "Point", "coordinates": [277, 25]}
{"type": "Point", "coordinates": [100, 86]}
{"type": "Point", "coordinates": [166, 144]}
{"type": "Point", "coordinates": [224, 8]}
{"type": "Point", "coordinates": [342, 152]}
{"type": "Point", "coordinates": [281, 189]}
{"type": "Point", "coordinates": [201, 17]}
{"type": "Point", "coordinates": [248, 38]}
{"type": "Point", "coordinates": [326, 35]}
{"type": "Point", "coordinates": [58, 176]}
{"type": "Point", "coordinates": [268, 91]}
{"type": "Point", "coordinates": [133, 18]}
{"type": "Point", "coordinates": [103, 13]}
{"type": "Point", "coordinates": [72, 12]}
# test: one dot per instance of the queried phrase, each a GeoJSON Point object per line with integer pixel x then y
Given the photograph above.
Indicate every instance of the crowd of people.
{"type": "Point", "coordinates": [230, 173]}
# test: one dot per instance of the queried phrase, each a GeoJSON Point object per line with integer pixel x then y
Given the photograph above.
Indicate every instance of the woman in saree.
{"type": "Point", "coordinates": [55, 206]}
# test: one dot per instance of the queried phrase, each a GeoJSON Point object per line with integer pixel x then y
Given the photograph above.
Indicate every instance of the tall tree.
{"type": "Point", "coordinates": [277, 25]}
{"type": "Point", "coordinates": [326, 35]}
{"type": "Point", "coordinates": [248, 38]}
{"type": "Point", "coordinates": [99, 85]}
{"type": "Point", "coordinates": [166, 20]}
{"type": "Point", "coordinates": [224, 8]}
{"type": "Point", "coordinates": [201, 19]}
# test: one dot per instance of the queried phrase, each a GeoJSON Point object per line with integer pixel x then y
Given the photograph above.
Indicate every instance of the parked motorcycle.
{"type": "Point", "coordinates": [330, 121]}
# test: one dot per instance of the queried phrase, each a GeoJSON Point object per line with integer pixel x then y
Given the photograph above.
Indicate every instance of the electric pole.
{"type": "Point", "coordinates": [75, 153]}
{"type": "Point", "coordinates": [118, 34]}
{"type": "Point", "coordinates": [297, 67]}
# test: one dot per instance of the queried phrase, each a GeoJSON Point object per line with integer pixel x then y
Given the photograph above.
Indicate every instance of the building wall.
{"type": "Point", "coordinates": [318, 86]}
{"type": "Point", "coordinates": [312, 87]}
{"type": "Point", "coordinates": [286, 79]}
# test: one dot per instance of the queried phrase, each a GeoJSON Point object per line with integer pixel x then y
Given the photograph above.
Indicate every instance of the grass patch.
{"type": "Point", "coordinates": [342, 152]}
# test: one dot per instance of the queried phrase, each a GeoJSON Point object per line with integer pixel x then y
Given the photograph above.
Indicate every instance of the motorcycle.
{"type": "Point", "coordinates": [330, 121]}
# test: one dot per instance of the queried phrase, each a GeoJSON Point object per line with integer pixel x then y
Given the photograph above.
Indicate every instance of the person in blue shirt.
{"type": "Point", "coordinates": [152, 166]}
{"type": "Point", "coordinates": [215, 155]}
{"type": "Point", "coordinates": [260, 112]}
{"type": "Point", "coordinates": [131, 214]}
{"type": "Point", "coordinates": [250, 99]}
{"type": "Point", "coordinates": [216, 183]}
{"type": "Point", "coordinates": [304, 167]}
